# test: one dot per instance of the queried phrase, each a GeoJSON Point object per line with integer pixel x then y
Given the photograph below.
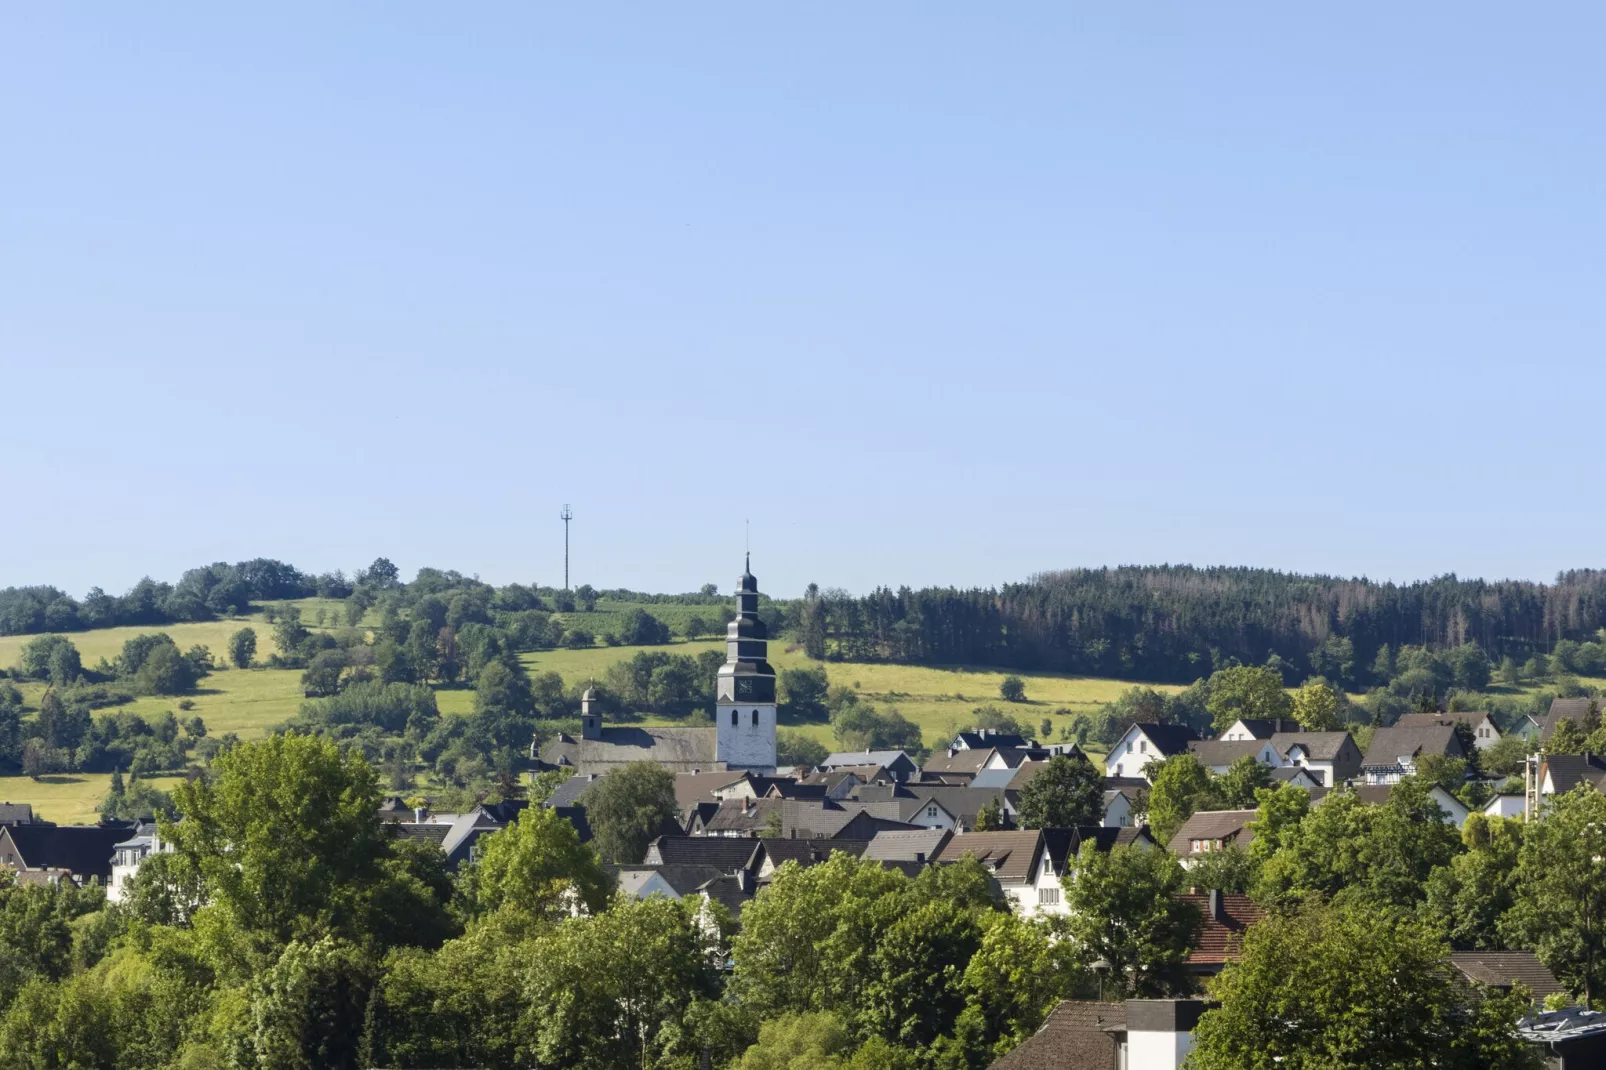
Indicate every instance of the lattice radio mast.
{"type": "Point", "coordinates": [567, 516]}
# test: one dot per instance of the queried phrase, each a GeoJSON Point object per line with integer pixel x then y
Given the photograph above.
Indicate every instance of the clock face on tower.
{"type": "Point", "coordinates": [746, 687]}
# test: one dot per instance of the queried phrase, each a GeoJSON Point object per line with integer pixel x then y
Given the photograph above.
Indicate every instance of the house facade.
{"type": "Point", "coordinates": [1141, 744]}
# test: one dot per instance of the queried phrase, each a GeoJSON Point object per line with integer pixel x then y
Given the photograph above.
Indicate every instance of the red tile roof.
{"type": "Point", "coordinates": [1221, 940]}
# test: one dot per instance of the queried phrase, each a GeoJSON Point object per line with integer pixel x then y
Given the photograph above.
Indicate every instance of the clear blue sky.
{"type": "Point", "coordinates": [932, 293]}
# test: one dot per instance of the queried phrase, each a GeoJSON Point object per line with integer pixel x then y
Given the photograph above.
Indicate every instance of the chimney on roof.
{"type": "Point", "coordinates": [418, 815]}
{"type": "Point", "coordinates": [1218, 908]}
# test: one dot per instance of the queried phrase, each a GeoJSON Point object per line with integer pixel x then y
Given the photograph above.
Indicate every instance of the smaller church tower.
{"type": "Point", "coordinates": [590, 719]}
{"type": "Point", "coordinates": [744, 711]}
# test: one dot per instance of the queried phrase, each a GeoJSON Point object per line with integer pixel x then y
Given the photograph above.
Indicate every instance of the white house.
{"type": "Point", "coordinates": [1258, 728]}
{"type": "Point", "coordinates": [1505, 805]}
{"type": "Point", "coordinates": [129, 855]}
{"type": "Point", "coordinates": [1485, 733]}
{"type": "Point", "coordinates": [1332, 757]}
{"type": "Point", "coordinates": [1141, 744]}
{"type": "Point", "coordinates": [1117, 809]}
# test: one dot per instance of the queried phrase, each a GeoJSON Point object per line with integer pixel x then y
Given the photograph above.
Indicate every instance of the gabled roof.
{"type": "Point", "coordinates": [779, 850]}
{"type": "Point", "coordinates": [1563, 709]}
{"type": "Point", "coordinates": [1389, 745]}
{"type": "Point", "coordinates": [959, 761]}
{"type": "Point", "coordinates": [700, 786]}
{"type": "Point", "coordinates": [907, 846]}
{"type": "Point", "coordinates": [1499, 969]}
{"type": "Point", "coordinates": [1320, 746]}
{"type": "Point", "coordinates": [1567, 771]}
{"type": "Point", "coordinates": [1295, 772]}
{"type": "Point", "coordinates": [1212, 752]}
{"type": "Point", "coordinates": [1232, 825]}
{"type": "Point", "coordinates": [678, 749]}
{"type": "Point", "coordinates": [1128, 784]}
{"type": "Point", "coordinates": [1168, 739]}
{"type": "Point", "coordinates": [1063, 845]}
{"type": "Point", "coordinates": [987, 737]}
{"type": "Point", "coordinates": [84, 850]}
{"type": "Point", "coordinates": [733, 891]}
{"type": "Point", "coordinates": [785, 788]}
{"type": "Point", "coordinates": [999, 778]}
{"type": "Point", "coordinates": [1076, 1035]}
{"type": "Point", "coordinates": [684, 879]}
{"type": "Point", "coordinates": [1266, 727]}
{"type": "Point", "coordinates": [16, 813]}
{"type": "Point", "coordinates": [1220, 939]}
{"type": "Point", "coordinates": [1011, 856]}
{"type": "Point", "coordinates": [568, 793]}
{"type": "Point", "coordinates": [1470, 718]}
{"type": "Point", "coordinates": [743, 815]}
{"type": "Point", "coordinates": [723, 852]}
{"type": "Point", "coordinates": [852, 759]}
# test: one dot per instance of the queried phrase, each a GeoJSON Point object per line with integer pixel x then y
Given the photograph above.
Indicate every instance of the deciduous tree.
{"type": "Point", "coordinates": [1352, 985]}
{"type": "Point", "coordinates": [628, 807]}
{"type": "Point", "coordinates": [1068, 792]}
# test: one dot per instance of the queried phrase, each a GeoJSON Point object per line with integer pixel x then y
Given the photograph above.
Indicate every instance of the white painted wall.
{"type": "Point", "coordinates": [1505, 806]}
{"type": "Point", "coordinates": [1118, 812]}
{"type": "Point", "coordinates": [1157, 1051]}
{"type": "Point", "coordinates": [745, 745]}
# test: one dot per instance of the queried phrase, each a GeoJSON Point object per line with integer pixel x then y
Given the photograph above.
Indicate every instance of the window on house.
{"type": "Point", "coordinates": [931, 811]}
{"type": "Point", "coordinates": [733, 718]}
{"type": "Point", "coordinates": [1143, 745]}
{"type": "Point", "coordinates": [1048, 896]}
{"type": "Point", "coordinates": [755, 718]}
{"type": "Point", "coordinates": [1129, 746]}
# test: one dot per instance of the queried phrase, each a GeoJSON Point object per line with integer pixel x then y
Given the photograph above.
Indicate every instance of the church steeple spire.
{"type": "Point", "coordinates": [745, 690]}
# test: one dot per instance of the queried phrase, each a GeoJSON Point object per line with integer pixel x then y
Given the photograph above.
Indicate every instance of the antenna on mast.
{"type": "Point", "coordinates": [567, 516]}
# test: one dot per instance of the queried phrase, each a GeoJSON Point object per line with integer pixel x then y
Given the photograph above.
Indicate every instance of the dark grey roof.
{"type": "Point", "coordinates": [684, 879]}
{"type": "Point", "coordinates": [744, 815]}
{"type": "Point", "coordinates": [1169, 739]}
{"type": "Point", "coordinates": [1266, 727]}
{"type": "Point", "coordinates": [733, 891]}
{"type": "Point", "coordinates": [1567, 771]}
{"type": "Point", "coordinates": [84, 850]}
{"type": "Point", "coordinates": [1563, 709]}
{"type": "Point", "coordinates": [854, 759]}
{"type": "Point", "coordinates": [779, 850]}
{"type": "Point", "coordinates": [726, 853]}
{"type": "Point", "coordinates": [959, 761]}
{"type": "Point", "coordinates": [1470, 718]}
{"type": "Point", "coordinates": [678, 749]}
{"type": "Point", "coordinates": [1063, 845]}
{"type": "Point", "coordinates": [907, 846]}
{"type": "Point", "coordinates": [1228, 825]}
{"type": "Point", "coordinates": [1212, 752]}
{"type": "Point", "coordinates": [1321, 746]}
{"type": "Point", "coordinates": [1390, 744]}
{"type": "Point", "coordinates": [576, 816]}
{"type": "Point", "coordinates": [16, 813]}
{"type": "Point", "coordinates": [693, 788]}
{"type": "Point", "coordinates": [1011, 856]}
{"type": "Point", "coordinates": [987, 737]}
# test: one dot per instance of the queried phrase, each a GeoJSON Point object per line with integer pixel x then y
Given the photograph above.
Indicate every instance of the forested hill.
{"type": "Point", "coordinates": [1177, 622]}
{"type": "Point", "coordinates": [1169, 622]}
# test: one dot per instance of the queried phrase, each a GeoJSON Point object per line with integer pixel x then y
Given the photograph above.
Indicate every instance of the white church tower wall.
{"type": "Point", "coordinates": [744, 712]}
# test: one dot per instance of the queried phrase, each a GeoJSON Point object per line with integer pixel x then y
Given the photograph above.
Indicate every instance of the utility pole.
{"type": "Point", "coordinates": [567, 516]}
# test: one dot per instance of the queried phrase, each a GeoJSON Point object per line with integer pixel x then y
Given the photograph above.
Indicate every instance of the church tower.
{"type": "Point", "coordinates": [744, 711]}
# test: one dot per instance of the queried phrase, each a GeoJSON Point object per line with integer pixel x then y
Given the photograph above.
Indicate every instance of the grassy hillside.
{"type": "Point", "coordinates": [937, 699]}
{"type": "Point", "coordinates": [250, 702]}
